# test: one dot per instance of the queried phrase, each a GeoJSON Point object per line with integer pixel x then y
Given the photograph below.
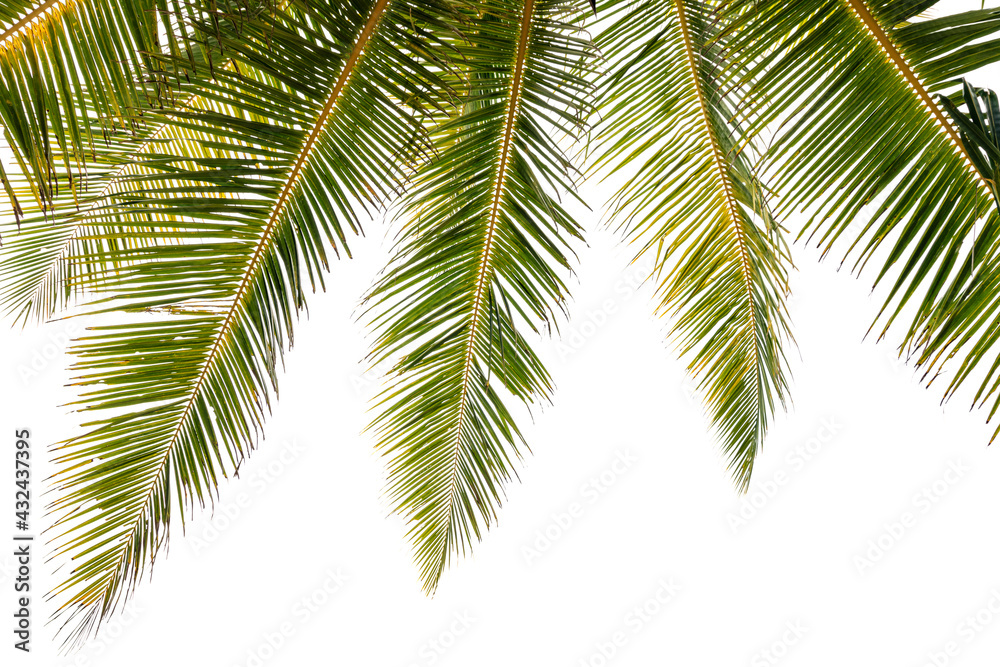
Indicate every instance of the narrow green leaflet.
{"type": "Point", "coordinates": [692, 198]}
{"type": "Point", "coordinates": [481, 262]}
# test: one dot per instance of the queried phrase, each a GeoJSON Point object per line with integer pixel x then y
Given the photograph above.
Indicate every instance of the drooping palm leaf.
{"type": "Point", "coordinates": [204, 241]}
{"type": "Point", "coordinates": [72, 73]}
{"type": "Point", "coordinates": [721, 263]}
{"type": "Point", "coordinates": [865, 145]}
{"type": "Point", "coordinates": [240, 211]}
{"type": "Point", "coordinates": [481, 263]}
{"type": "Point", "coordinates": [38, 269]}
{"type": "Point", "coordinates": [41, 267]}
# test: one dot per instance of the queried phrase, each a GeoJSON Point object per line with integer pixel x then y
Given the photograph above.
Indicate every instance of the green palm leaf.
{"type": "Point", "coordinates": [195, 166]}
{"type": "Point", "coordinates": [721, 264]}
{"type": "Point", "coordinates": [313, 123]}
{"type": "Point", "coordinates": [45, 260]}
{"type": "Point", "coordinates": [39, 271]}
{"type": "Point", "coordinates": [481, 261]}
{"type": "Point", "coordinates": [73, 74]}
{"type": "Point", "coordinates": [867, 149]}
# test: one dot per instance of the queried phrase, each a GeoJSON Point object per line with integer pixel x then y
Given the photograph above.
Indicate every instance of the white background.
{"type": "Point", "coordinates": [858, 543]}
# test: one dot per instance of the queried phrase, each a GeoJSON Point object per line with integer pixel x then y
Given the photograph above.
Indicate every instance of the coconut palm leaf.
{"type": "Point", "coordinates": [868, 150]}
{"type": "Point", "coordinates": [39, 271]}
{"type": "Point", "coordinates": [240, 213]}
{"type": "Point", "coordinates": [39, 274]}
{"type": "Point", "coordinates": [480, 267]}
{"type": "Point", "coordinates": [721, 262]}
{"type": "Point", "coordinates": [73, 74]}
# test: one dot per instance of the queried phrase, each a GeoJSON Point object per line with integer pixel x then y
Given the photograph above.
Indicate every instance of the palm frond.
{"type": "Point", "coordinates": [866, 146]}
{"type": "Point", "coordinates": [46, 256]}
{"type": "Point", "coordinates": [721, 262]}
{"type": "Point", "coordinates": [481, 261]}
{"type": "Point", "coordinates": [73, 74]}
{"type": "Point", "coordinates": [239, 210]}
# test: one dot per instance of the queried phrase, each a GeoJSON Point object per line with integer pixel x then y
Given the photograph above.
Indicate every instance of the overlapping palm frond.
{"type": "Point", "coordinates": [73, 73]}
{"type": "Point", "coordinates": [866, 145]}
{"type": "Point", "coordinates": [40, 267]}
{"type": "Point", "coordinates": [45, 255]}
{"type": "Point", "coordinates": [195, 165]}
{"type": "Point", "coordinates": [979, 128]}
{"type": "Point", "coordinates": [73, 94]}
{"type": "Point", "coordinates": [239, 211]}
{"type": "Point", "coordinates": [481, 263]}
{"type": "Point", "coordinates": [721, 262]}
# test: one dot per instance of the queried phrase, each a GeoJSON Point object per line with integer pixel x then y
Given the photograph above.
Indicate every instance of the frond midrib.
{"type": "Point", "coordinates": [363, 37]}
{"type": "Point", "coordinates": [516, 86]}
{"type": "Point", "coordinates": [732, 207]}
